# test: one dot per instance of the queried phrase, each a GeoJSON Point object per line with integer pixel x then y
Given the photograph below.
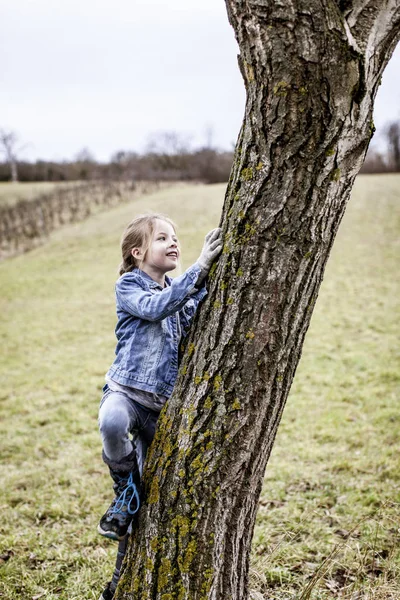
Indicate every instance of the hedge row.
{"type": "Point", "coordinates": [27, 223]}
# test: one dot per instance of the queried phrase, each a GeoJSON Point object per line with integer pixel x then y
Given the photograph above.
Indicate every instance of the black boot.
{"type": "Point", "coordinates": [107, 594]}
{"type": "Point", "coordinates": [117, 518]}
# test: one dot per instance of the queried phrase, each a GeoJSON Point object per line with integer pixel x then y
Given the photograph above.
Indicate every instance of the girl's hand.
{"type": "Point", "coordinates": [212, 247]}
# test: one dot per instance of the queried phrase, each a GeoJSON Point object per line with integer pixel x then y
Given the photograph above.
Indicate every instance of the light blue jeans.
{"type": "Point", "coordinates": [125, 425]}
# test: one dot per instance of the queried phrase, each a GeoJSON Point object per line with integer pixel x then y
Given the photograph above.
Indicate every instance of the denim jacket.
{"type": "Point", "coordinates": [151, 321]}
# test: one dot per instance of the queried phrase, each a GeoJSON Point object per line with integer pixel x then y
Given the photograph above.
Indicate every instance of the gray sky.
{"type": "Point", "coordinates": [105, 75]}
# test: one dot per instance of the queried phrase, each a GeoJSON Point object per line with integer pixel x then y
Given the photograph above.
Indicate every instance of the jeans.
{"type": "Point", "coordinates": [125, 425]}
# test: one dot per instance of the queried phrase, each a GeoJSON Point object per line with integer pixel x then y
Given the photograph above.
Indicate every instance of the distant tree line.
{"type": "Point", "coordinates": [167, 158]}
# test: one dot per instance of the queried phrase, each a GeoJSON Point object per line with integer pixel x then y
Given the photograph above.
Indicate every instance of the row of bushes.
{"type": "Point", "coordinates": [27, 223]}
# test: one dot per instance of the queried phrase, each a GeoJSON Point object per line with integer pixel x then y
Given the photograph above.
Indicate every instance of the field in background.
{"type": "Point", "coordinates": [11, 193]}
{"type": "Point", "coordinates": [333, 481]}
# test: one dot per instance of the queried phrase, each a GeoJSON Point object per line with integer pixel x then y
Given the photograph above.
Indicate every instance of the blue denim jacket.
{"type": "Point", "coordinates": [151, 321]}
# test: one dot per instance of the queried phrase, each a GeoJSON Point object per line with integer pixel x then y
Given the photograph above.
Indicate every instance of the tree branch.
{"type": "Point", "coordinates": [372, 23]}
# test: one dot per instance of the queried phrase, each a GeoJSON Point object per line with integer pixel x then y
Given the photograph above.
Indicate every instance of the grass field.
{"type": "Point", "coordinates": [329, 514]}
{"type": "Point", "coordinates": [11, 193]}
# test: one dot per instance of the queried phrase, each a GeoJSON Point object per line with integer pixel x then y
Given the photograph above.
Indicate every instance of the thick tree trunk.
{"type": "Point", "coordinates": [311, 70]}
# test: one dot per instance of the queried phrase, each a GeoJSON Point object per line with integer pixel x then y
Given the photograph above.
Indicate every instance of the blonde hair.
{"type": "Point", "coordinates": [139, 234]}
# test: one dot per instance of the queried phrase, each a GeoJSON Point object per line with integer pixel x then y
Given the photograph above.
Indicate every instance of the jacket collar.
{"type": "Point", "coordinates": [149, 281]}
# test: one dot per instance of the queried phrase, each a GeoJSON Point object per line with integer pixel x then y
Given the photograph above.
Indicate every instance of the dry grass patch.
{"type": "Point", "coordinates": [329, 511]}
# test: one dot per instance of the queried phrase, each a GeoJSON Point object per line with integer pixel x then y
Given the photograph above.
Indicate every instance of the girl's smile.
{"type": "Point", "coordinates": [163, 254]}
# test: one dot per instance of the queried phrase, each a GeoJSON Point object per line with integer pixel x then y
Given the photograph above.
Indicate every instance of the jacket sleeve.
{"type": "Point", "coordinates": [132, 298]}
{"type": "Point", "coordinates": [188, 311]}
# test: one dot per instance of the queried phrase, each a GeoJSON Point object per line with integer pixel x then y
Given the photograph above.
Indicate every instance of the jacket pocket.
{"type": "Point", "coordinates": [156, 336]}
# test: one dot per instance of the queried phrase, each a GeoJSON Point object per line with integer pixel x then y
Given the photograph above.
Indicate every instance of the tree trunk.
{"type": "Point", "coordinates": [311, 70]}
{"type": "Point", "coordinates": [14, 171]}
{"type": "Point", "coordinates": [8, 140]}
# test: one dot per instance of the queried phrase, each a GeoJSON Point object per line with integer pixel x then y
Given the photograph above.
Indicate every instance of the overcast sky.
{"type": "Point", "coordinates": [106, 75]}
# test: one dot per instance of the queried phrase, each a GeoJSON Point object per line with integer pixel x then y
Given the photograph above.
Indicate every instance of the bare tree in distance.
{"type": "Point", "coordinates": [86, 163]}
{"type": "Point", "coordinates": [8, 142]}
{"type": "Point", "coordinates": [393, 139]}
{"type": "Point", "coordinates": [168, 143]}
{"type": "Point", "coordinates": [209, 137]}
{"type": "Point", "coordinates": [311, 71]}
{"type": "Point", "coordinates": [85, 155]}
{"type": "Point", "coordinates": [168, 153]}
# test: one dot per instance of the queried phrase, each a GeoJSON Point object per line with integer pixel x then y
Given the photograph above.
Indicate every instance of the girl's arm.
{"type": "Point", "coordinates": [188, 311]}
{"type": "Point", "coordinates": [132, 298]}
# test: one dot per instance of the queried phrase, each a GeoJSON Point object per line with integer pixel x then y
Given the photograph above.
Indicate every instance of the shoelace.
{"type": "Point", "coordinates": [123, 500]}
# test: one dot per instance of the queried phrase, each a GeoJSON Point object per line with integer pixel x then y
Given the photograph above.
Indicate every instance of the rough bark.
{"type": "Point", "coordinates": [311, 70]}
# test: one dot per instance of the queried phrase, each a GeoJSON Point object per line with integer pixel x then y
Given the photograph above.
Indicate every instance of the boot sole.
{"type": "Point", "coordinates": [111, 535]}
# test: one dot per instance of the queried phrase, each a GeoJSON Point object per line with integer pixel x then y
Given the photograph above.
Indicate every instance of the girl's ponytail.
{"type": "Point", "coordinates": [126, 265]}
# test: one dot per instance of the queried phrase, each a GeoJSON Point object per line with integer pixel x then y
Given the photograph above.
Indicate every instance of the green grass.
{"type": "Point", "coordinates": [333, 481]}
{"type": "Point", "coordinates": [335, 463]}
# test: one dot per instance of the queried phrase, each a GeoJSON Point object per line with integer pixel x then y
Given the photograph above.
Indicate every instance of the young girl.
{"type": "Point", "coordinates": [154, 312]}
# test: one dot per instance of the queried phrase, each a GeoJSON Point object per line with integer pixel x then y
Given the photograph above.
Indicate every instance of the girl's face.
{"type": "Point", "coordinates": [163, 253]}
